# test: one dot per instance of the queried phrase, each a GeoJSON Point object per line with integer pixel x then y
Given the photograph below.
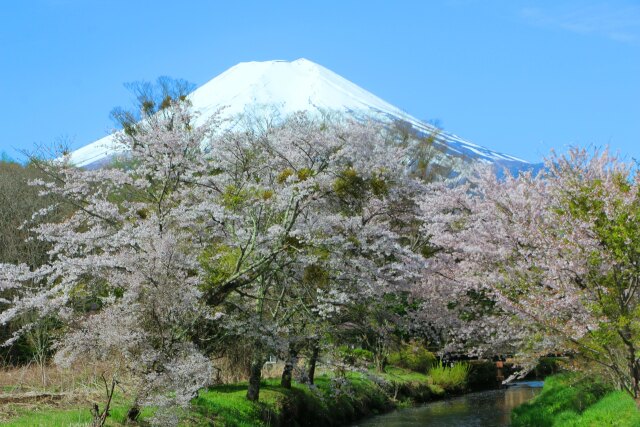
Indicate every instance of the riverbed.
{"type": "Point", "coordinates": [490, 408]}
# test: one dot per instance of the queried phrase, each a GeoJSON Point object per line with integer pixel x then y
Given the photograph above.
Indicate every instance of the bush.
{"type": "Point", "coordinates": [450, 378]}
{"type": "Point", "coordinates": [414, 357]}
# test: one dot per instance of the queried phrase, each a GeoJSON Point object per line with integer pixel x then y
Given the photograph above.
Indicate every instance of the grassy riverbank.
{"type": "Point", "coordinates": [570, 400]}
{"type": "Point", "coordinates": [332, 401]}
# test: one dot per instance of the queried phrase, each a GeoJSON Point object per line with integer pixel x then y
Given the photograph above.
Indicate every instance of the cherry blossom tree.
{"type": "Point", "coordinates": [308, 210]}
{"type": "Point", "coordinates": [123, 273]}
{"type": "Point", "coordinates": [552, 258]}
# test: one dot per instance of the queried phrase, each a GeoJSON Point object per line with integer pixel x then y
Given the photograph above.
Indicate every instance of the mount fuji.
{"type": "Point", "coordinates": [300, 85]}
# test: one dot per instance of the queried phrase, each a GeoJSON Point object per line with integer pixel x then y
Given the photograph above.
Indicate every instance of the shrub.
{"type": "Point", "coordinates": [414, 357]}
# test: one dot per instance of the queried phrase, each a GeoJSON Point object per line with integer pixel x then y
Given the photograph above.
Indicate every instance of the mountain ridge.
{"type": "Point", "coordinates": [299, 85]}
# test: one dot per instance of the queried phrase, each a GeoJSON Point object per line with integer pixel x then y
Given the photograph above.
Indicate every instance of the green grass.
{"type": "Point", "coordinates": [450, 378]}
{"type": "Point", "coordinates": [394, 374]}
{"type": "Point", "coordinates": [51, 417]}
{"type": "Point", "coordinates": [228, 406]}
{"type": "Point", "coordinates": [569, 400]}
{"type": "Point", "coordinates": [230, 401]}
{"type": "Point", "coordinates": [615, 409]}
{"type": "Point", "coordinates": [359, 396]}
{"type": "Point", "coordinates": [418, 386]}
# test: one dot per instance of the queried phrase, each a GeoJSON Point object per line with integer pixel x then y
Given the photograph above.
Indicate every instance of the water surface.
{"type": "Point", "coordinates": [483, 409]}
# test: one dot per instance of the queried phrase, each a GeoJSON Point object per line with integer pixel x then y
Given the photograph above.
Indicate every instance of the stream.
{"type": "Point", "coordinates": [490, 408]}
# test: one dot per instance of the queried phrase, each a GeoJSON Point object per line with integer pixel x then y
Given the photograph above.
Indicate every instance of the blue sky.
{"type": "Point", "coordinates": [520, 77]}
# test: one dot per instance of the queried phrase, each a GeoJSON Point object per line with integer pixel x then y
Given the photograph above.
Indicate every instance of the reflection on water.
{"type": "Point", "coordinates": [488, 408]}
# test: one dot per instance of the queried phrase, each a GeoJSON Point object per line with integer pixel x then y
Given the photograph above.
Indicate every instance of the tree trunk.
{"type": "Point", "coordinates": [312, 363]}
{"type": "Point", "coordinates": [253, 392]}
{"type": "Point", "coordinates": [380, 354]}
{"type": "Point", "coordinates": [635, 375]}
{"type": "Point", "coordinates": [633, 366]}
{"type": "Point", "coordinates": [133, 413]}
{"type": "Point", "coordinates": [287, 373]}
{"type": "Point", "coordinates": [258, 359]}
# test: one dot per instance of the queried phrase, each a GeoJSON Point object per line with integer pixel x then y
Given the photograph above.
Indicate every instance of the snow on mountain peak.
{"type": "Point", "coordinates": [299, 85]}
{"type": "Point", "coordinates": [291, 86]}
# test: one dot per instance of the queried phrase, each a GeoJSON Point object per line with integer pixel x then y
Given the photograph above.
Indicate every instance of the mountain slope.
{"type": "Point", "coordinates": [299, 85]}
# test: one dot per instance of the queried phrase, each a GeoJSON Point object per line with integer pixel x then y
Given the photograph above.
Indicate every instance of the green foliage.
{"type": "Point", "coordinates": [379, 186]}
{"type": "Point", "coordinates": [563, 398]}
{"type": "Point", "coordinates": [304, 174]}
{"type": "Point", "coordinates": [352, 188]}
{"type": "Point", "coordinates": [451, 378]}
{"type": "Point", "coordinates": [355, 356]}
{"type": "Point", "coordinates": [234, 197]}
{"type": "Point", "coordinates": [282, 177]}
{"type": "Point", "coordinates": [219, 261]}
{"type": "Point", "coordinates": [349, 184]}
{"type": "Point", "coordinates": [610, 203]}
{"type": "Point", "coordinates": [414, 357]}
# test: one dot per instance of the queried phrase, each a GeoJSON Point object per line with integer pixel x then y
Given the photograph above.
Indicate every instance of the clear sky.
{"type": "Point", "coordinates": [520, 77]}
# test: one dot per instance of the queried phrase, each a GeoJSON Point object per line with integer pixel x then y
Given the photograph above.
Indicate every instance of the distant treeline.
{"type": "Point", "coordinates": [18, 203]}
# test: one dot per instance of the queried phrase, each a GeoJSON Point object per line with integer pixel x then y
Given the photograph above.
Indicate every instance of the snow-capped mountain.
{"type": "Point", "coordinates": [300, 85]}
